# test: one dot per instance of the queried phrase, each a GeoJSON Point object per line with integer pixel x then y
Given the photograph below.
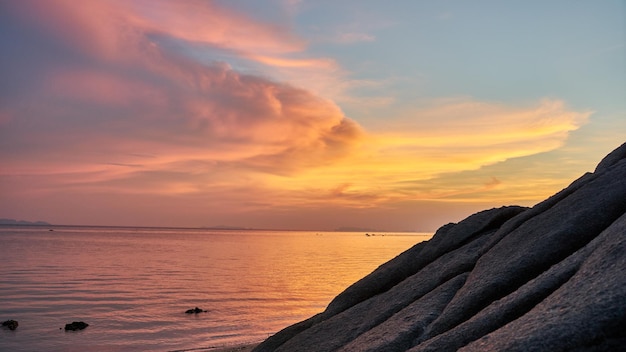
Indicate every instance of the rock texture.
{"type": "Point", "coordinates": [547, 278]}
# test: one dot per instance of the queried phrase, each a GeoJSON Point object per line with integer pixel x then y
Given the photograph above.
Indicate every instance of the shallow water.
{"type": "Point", "coordinates": [133, 285]}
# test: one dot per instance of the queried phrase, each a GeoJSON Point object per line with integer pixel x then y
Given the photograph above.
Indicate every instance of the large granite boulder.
{"type": "Point", "coordinates": [547, 278]}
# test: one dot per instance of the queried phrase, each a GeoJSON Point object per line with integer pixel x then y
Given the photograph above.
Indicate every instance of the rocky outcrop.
{"type": "Point", "coordinates": [547, 278]}
{"type": "Point", "coordinates": [10, 324]}
{"type": "Point", "coordinates": [194, 311]}
{"type": "Point", "coordinates": [76, 325]}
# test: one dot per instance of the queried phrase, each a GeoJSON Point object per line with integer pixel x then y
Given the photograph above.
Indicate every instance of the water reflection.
{"type": "Point", "coordinates": [133, 285]}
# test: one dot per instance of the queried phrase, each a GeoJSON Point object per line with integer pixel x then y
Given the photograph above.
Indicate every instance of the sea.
{"type": "Point", "coordinates": [134, 285]}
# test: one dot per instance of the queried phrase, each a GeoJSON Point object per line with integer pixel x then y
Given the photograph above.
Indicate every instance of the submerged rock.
{"type": "Point", "coordinates": [551, 277]}
{"type": "Point", "coordinates": [194, 311]}
{"type": "Point", "coordinates": [76, 325]}
{"type": "Point", "coordinates": [10, 324]}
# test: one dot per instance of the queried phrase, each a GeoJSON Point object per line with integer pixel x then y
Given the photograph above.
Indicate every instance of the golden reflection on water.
{"type": "Point", "coordinates": [133, 285]}
{"type": "Point", "coordinates": [299, 274]}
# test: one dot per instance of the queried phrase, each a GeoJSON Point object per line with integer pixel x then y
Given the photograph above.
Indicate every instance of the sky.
{"type": "Point", "coordinates": [296, 114]}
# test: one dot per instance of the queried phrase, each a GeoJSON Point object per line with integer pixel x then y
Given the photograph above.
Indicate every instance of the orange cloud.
{"type": "Point", "coordinates": [404, 163]}
{"type": "Point", "coordinates": [473, 134]}
{"type": "Point", "coordinates": [294, 63]}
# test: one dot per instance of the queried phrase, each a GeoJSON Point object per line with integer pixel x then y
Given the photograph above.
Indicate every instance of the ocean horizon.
{"type": "Point", "coordinates": [132, 285]}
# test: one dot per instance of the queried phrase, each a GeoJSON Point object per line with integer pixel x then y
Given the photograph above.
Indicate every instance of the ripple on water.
{"type": "Point", "coordinates": [133, 286]}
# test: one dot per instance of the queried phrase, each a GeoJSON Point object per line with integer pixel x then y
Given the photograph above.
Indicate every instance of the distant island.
{"type": "Point", "coordinates": [23, 222]}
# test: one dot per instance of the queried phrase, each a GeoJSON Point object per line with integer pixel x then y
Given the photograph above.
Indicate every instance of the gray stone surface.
{"type": "Point", "coordinates": [548, 278]}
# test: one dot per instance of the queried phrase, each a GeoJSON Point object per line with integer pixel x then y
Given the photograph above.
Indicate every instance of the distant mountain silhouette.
{"type": "Point", "coordinates": [22, 222]}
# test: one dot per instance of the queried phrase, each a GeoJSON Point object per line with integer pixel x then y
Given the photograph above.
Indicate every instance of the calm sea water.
{"type": "Point", "coordinates": [133, 285]}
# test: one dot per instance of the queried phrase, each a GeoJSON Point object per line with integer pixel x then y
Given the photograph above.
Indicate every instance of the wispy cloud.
{"type": "Point", "coordinates": [294, 63]}
{"type": "Point", "coordinates": [352, 37]}
{"type": "Point", "coordinates": [434, 141]}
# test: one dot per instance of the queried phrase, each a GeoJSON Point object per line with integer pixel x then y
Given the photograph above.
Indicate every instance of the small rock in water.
{"type": "Point", "coordinates": [194, 311]}
{"type": "Point", "coordinates": [11, 324]}
{"type": "Point", "coordinates": [76, 325]}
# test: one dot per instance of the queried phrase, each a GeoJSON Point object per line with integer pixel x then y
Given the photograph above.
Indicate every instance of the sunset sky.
{"type": "Point", "coordinates": [287, 114]}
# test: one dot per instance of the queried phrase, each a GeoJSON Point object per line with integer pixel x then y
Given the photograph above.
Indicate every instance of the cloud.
{"type": "Point", "coordinates": [470, 132]}
{"type": "Point", "coordinates": [293, 63]}
{"type": "Point", "coordinates": [115, 28]}
{"type": "Point", "coordinates": [222, 116]}
{"type": "Point", "coordinates": [352, 37]}
{"type": "Point", "coordinates": [113, 104]}
{"type": "Point", "coordinates": [404, 159]}
{"type": "Point", "coordinates": [123, 96]}
{"type": "Point", "coordinates": [206, 22]}
{"type": "Point", "coordinates": [493, 183]}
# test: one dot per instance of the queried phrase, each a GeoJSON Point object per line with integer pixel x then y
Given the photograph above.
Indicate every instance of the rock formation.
{"type": "Point", "coordinates": [76, 325]}
{"type": "Point", "coordinates": [10, 324]}
{"type": "Point", "coordinates": [547, 278]}
{"type": "Point", "coordinates": [194, 311]}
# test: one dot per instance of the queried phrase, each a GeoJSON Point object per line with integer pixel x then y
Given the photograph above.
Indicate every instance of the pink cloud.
{"type": "Point", "coordinates": [294, 63]}
{"type": "Point", "coordinates": [127, 93]}
{"type": "Point", "coordinates": [101, 88]}
{"type": "Point", "coordinates": [207, 22]}
{"type": "Point", "coordinates": [92, 27]}
{"type": "Point", "coordinates": [118, 29]}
